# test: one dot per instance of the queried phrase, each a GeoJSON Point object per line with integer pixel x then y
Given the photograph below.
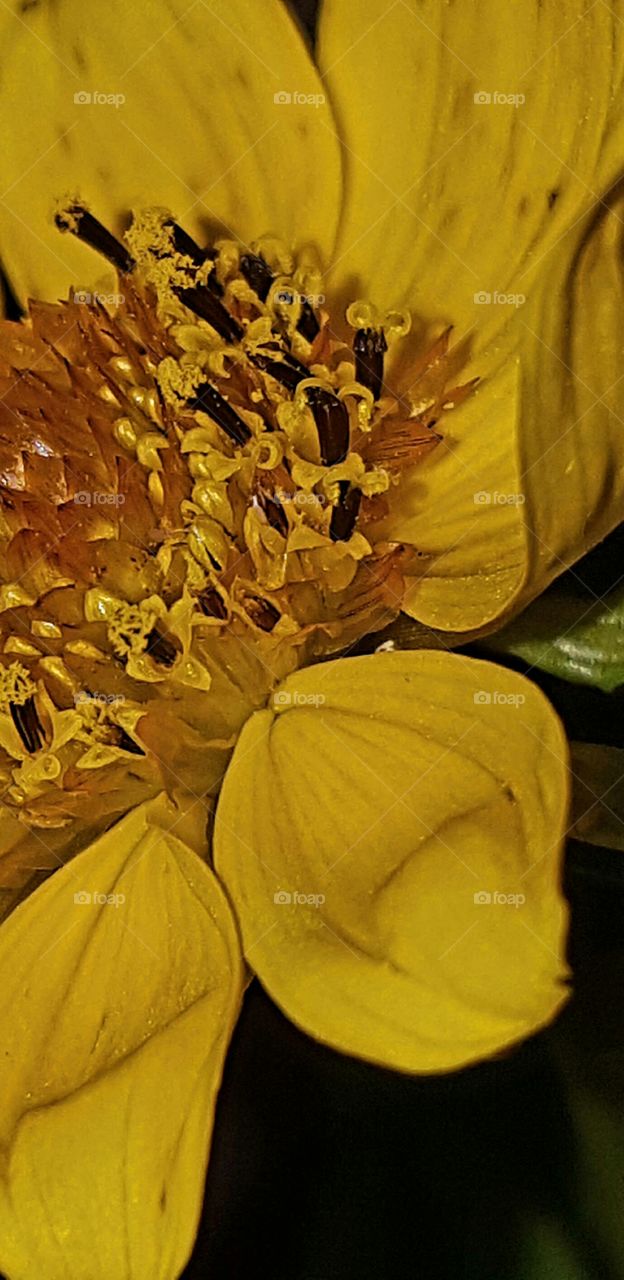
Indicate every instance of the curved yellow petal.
{"type": "Point", "coordinates": [361, 822]}
{"type": "Point", "coordinates": [121, 981]}
{"type": "Point", "coordinates": [482, 146]}
{"type": "Point", "coordinates": [168, 104]}
{"type": "Point", "coordinates": [463, 509]}
{"type": "Point", "coordinates": [572, 438]}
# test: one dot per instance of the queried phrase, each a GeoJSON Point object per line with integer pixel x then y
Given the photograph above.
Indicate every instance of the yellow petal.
{"type": "Point", "coordinates": [451, 200]}
{"type": "Point", "coordinates": [381, 794]}
{"type": "Point", "coordinates": [121, 981]}
{"type": "Point", "coordinates": [463, 509]}
{"type": "Point", "coordinates": [182, 115]}
{"type": "Point", "coordinates": [572, 441]}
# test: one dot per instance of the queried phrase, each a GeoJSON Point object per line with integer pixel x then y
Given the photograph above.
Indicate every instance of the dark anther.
{"type": "Point", "coordinates": [308, 324]}
{"type": "Point", "coordinates": [258, 275]}
{"type": "Point", "coordinates": [201, 299]}
{"type": "Point", "coordinates": [288, 371]}
{"type": "Point", "coordinates": [212, 402]}
{"type": "Point", "coordinates": [211, 604]}
{"type": "Point", "coordinates": [263, 613]}
{"type": "Point", "coordinates": [82, 224]}
{"type": "Point", "coordinates": [26, 720]}
{"type": "Point", "coordinates": [126, 743]}
{"type": "Point", "coordinates": [332, 424]}
{"type": "Point", "coordinates": [184, 243]}
{"type": "Point", "coordinates": [161, 649]}
{"type": "Point", "coordinates": [369, 348]}
{"type": "Point", "coordinates": [296, 364]}
{"type": "Point", "coordinates": [274, 512]}
{"type": "Point", "coordinates": [345, 513]}
{"type": "Point", "coordinates": [213, 284]}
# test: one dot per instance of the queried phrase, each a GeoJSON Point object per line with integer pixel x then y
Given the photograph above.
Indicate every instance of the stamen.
{"type": "Point", "coordinates": [161, 649]}
{"type": "Point", "coordinates": [126, 743]}
{"type": "Point", "coordinates": [288, 371]}
{"type": "Point", "coordinates": [184, 243]}
{"type": "Point", "coordinates": [257, 273]}
{"type": "Point", "coordinates": [308, 325]}
{"type": "Point", "coordinates": [274, 512]}
{"type": "Point", "coordinates": [201, 300]}
{"type": "Point", "coordinates": [209, 400]}
{"type": "Point", "coordinates": [259, 277]}
{"type": "Point", "coordinates": [263, 613]}
{"type": "Point", "coordinates": [332, 423]}
{"type": "Point", "coordinates": [212, 605]}
{"type": "Point", "coordinates": [345, 513]}
{"type": "Point", "coordinates": [17, 696]}
{"type": "Point", "coordinates": [25, 717]}
{"type": "Point", "coordinates": [369, 348]}
{"type": "Point", "coordinates": [77, 219]}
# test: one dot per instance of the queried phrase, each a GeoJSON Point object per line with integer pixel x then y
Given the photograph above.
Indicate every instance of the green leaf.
{"type": "Point", "coordinates": [577, 638]}
{"type": "Point", "coordinates": [597, 794]}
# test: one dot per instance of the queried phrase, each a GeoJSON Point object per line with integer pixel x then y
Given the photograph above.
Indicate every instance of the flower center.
{"type": "Point", "coordinates": [192, 506]}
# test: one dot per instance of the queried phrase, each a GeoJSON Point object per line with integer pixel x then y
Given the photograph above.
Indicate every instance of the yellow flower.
{"type": "Point", "coordinates": [224, 465]}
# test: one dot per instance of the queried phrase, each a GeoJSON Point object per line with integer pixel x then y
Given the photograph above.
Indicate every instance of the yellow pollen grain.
{"type": "Point", "coordinates": [16, 686]}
